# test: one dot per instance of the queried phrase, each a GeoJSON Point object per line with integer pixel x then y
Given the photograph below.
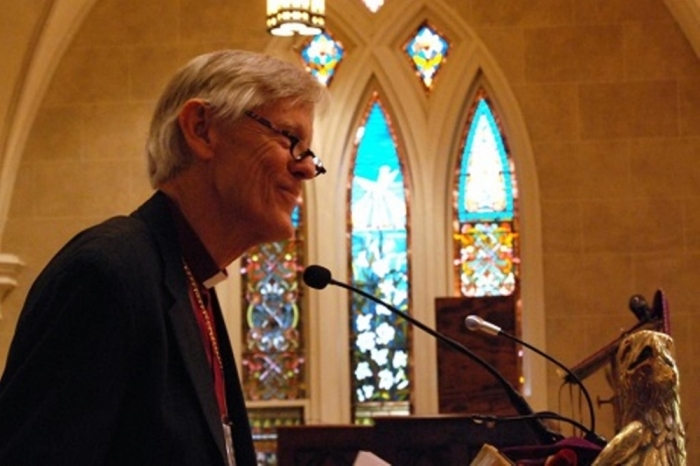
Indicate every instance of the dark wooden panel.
{"type": "Point", "coordinates": [322, 445]}
{"type": "Point", "coordinates": [463, 385]}
{"type": "Point", "coordinates": [406, 441]}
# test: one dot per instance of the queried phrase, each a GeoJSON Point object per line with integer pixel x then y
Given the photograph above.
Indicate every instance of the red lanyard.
{"type": "Point", "coordinates": [204, 316]}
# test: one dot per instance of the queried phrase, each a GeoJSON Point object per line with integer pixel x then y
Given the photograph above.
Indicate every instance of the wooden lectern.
{"type": "Point", "coordinates": [441, 440]}
{"type": "Point", "coordinates": [426, 441]}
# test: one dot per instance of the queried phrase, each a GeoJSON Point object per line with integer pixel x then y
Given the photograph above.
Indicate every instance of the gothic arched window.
{"type": "Point", "coordinates": [486, 254]}
{"type": "Point", "coordinates": [379, 265]}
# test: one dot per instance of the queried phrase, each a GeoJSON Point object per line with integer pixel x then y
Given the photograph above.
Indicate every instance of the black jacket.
{"type": "Point", "coordinates": [107, 365]}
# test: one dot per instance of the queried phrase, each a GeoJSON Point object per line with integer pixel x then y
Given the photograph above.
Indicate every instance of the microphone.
{"type": "Point", "coordinates": [477, 324]}
{"type": "Point", "coordinates": [319, 277]}
{"type": "Point", "coordinates": [640, 308]}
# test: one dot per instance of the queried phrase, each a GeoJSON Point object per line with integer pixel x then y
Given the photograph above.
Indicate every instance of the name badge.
{"type": "Point", "coordinates": [228, 438]}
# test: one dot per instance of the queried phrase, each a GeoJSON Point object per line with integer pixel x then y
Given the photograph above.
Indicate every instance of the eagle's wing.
{"type": "Point", "coordinates": [624, 445]}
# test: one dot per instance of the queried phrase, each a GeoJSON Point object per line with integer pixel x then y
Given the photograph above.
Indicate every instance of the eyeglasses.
{"type": "Point", "coordinates": [294, 150]}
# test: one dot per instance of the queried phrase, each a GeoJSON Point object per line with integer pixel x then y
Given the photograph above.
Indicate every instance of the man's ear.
{"type": "Point", "coordinates": [195, 120]}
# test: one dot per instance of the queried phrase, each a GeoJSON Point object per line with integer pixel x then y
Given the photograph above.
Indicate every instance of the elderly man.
{"type": "Point", "coordinates": [121, 354]}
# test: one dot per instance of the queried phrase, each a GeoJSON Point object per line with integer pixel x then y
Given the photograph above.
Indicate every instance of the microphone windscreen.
{"type": "Point", "coordinates": [317, 277]}
{"type": "Point", "coordinates": [473, 323]}
{"type": "Point", "coordinates": [640, 308]}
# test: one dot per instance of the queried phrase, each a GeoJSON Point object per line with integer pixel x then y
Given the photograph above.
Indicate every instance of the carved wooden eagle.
{"type": "Point", "coordinates": [648, 390]}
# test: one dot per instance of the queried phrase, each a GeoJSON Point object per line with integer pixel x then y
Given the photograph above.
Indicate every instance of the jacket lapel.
{"type": "Point", "coordinates": [156, 214]}
{"type": "Point", "coordinates": [190, 342]}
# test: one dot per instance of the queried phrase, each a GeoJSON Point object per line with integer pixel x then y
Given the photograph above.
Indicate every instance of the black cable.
{"type": "Point", "coordinates": [590, 435]}
{"type": "Point", "coordinates": [571, 375]}
{"type": "Point", "coordinates": [319, 277]}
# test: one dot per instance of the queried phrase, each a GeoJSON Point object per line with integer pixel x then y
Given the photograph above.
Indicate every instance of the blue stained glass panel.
{"type": "Point", "coordinates": [322, 55]}
{"type": "Point", "coordinates": [378, 201]}
{"type": "Point", "coordinates": [427, 50]}
{"type": "Point", "coordinates": [296, 217]}
{"type": "Point", "coordinates": [379, 265]}
{"type": "Point", "coordinates": [485, 190]}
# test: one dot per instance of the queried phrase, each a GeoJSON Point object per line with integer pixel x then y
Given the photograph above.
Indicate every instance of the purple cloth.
{"type": "Point", "coordinates": [585, 453]}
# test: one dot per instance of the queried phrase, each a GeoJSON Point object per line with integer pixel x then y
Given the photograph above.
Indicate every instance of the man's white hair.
{"type": "Point", "coordinates": [232, 81]}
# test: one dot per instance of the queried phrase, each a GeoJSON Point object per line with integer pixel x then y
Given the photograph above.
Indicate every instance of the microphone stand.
{"type": "Point", "coordinates": [545, 435]}
{"type": "Point", "coordinates": [476, 323]}
{"type": "Point", "coordinates": [576, 380]}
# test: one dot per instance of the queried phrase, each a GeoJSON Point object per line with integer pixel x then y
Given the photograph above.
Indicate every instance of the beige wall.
{"type": "Point", "coordinates": [20, 24]}
{"type": "Point", "coordinates": [84, 159]}
{"type": "Point", "coordinates": [609, 91]}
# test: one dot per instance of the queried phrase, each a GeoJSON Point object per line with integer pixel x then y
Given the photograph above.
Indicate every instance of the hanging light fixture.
{"type": "Point", "coordinates": [289, 17]}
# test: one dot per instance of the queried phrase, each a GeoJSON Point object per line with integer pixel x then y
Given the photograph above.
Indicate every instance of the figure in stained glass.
{"type": "Point", "coordinates": [379, 265]}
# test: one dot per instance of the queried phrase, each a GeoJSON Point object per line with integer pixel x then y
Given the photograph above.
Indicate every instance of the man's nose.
{"type": "Point", "coordinates": [304, 168]}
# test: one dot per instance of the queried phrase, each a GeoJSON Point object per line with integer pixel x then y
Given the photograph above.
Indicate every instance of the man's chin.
{"type": "Point", "coordinates": [279, 232]}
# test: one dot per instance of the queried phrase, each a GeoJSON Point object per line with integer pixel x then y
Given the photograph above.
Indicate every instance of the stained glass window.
{"type": "Point", "coordinates": [264, 423]}
{"type": "Point", "coordinates": [380, 341]}
{"type": "Point", "coordinates": [321, 55]}
{"type": "Point", "coordinates": [427, 50]}
{"type": "Point", "coordinates": [485, 235]}
{"type": "Point", "coordinates": [274, 355]}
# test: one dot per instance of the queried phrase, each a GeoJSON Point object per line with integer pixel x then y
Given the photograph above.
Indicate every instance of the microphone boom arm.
{"type": "Point", "coordinates": [571, 375]}
{"type": "Point", "coordinates": [516, 399]}
{"type": "Point", "coordinates": [477, 324]}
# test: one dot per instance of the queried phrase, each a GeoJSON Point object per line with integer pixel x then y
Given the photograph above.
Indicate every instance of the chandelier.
{"type": "Point", "coordinates": [289, 17]}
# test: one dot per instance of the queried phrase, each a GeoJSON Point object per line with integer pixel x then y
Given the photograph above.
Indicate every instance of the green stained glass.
{"type": "Point", "coordinates": [322, 55]}
{"type": "Point", "coordinates": [486, 261]}
{"type": "Point", "coordinates": [274, 356]}
{"type": "Point", "coordinates": [380, 341]}
{"type": "Point", "coordinates": [427, 50]}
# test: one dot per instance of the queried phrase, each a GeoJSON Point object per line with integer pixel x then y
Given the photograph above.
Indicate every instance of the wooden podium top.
{"type": "Point", "coordinates": [437, 440]}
